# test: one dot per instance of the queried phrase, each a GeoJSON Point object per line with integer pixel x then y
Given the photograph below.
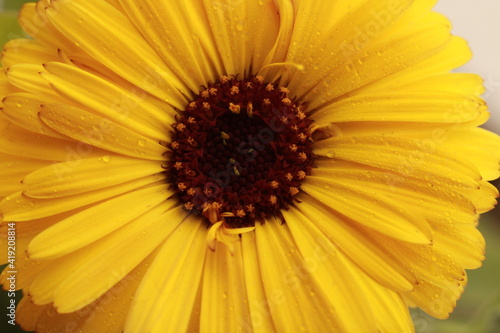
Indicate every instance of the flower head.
{"type": "Point", "coordinates": [224, 166]}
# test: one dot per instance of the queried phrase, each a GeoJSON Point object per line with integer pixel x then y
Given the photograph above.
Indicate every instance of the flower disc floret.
{"type": "Point", "coordinates": [243, 144]}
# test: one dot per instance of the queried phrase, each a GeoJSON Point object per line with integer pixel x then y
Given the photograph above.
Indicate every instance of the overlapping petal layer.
{"type": "Point", "coordinates": [386, 219]}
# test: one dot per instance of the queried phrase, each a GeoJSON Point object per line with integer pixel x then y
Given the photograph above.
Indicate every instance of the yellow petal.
{"type": "Point", "coordinates": [285, 10]}
{"type": "Point", "coordinates": [100, 132]}
{"type": "Point", "coordinates": [405, 106]}
{"type": "Point", "coordinates": [86, 226]}
{"type": "Point", "coordinates": [322, 259]}
{"type": "Point", "coordinates": [26, 269]}
{"type": "Point", "coordinates": [111, 38]}
{"type": "Point", "coordinates": [17, 141]}
{"type": "Point", "coordinates": [416, 158]}
{"type": "Point", "coordinates": [379, 264]}
{"type": "Point", "coordinates": [74, 177]}
{"type": "Point", "coordinates": [29, 51]}
{"type": "Point", "coordinates": [28, 77]}
{"type": "Point", "coordinates": [111, 310]}
{"type": "Point", "coordinates": [34, 21]}
{"type": "Point", "coordinates": [107, 313]}
{"type": "Point", "coordinates": [6, 87]}
{"type": "Point", "coordinates": [483, 198]}
{"type": "Point", "coordinates": [180, 33]}
{"type": "Point", "coordinates": [22, 109]}
{"type": "Point", "coordinates": [18, 207]}
{"type": "Point", "coordinates": [464, 242]}
{"type": "Point", "coordinates": [172, 279]}
{"type": "Point", "coordinates": [374, 211]}
{"type": "Point", "coordinates": [12, 171]}
{"type": "Point", "coordinates": [326, 57]}
{"type": "Point", "coordinates": [108, 260]}
{"type": "Point", "coordinates": [480, 146]}
{"type": "Point", "coordinates": [260, 305]}
{"type": "Point", "coordinates": [28, 312]}
{"type": "Point", "coordinates": [110, 101]}
{"type": "Point", "coordinates": [223, 306]}
{"type": "Point", "coordinates": [454, 54]}
{"type": "Point", "coordinates": [435, 204]}
{"type": "Point", "coordinates": [241, 34]}
{"type": "Point", "coordinates": [399, 51]}
{"type": "Point", "coordinates": [459, 83]}
{"type": "Point", "coordinates": [300, 291]}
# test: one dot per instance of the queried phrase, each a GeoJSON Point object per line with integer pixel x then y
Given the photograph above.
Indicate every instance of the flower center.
{"type": "Point", "coordinates": [240, 151]}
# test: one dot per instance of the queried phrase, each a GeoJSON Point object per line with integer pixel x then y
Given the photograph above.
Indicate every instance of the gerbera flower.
{"type": "Point", "coordinates": [224, 166]}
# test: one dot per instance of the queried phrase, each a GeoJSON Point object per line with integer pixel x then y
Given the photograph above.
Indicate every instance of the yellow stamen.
{"type": "Point", "coordinates": [234, 108]}
{"type": "Point", "coordinates": [293, 190]}
{"type": "Point", "coordinates": [235, 90]}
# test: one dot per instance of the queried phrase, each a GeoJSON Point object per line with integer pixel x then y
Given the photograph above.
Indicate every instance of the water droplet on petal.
{"type": "Point", "coordinates": [239, 25]}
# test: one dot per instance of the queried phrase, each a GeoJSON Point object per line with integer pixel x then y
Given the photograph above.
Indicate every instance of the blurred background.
{"type": "Point", "coordinates": [478, 21]}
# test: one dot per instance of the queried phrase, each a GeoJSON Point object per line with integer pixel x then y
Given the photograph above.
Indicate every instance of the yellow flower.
{"type": "Point", "coordinates": [244, 165]}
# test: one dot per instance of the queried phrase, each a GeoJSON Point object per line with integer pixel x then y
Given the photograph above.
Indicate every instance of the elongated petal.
{"type": "Point", "coordinates": [180, 33]}
{"type": "Point", "coordinates": [480, 146]}
{"type": "Point", "coordinates": [401, 155]}
{"type": "Point", "coordinates": [320, 254]}
{"type": "Point", "coordinates": [237, 29]}
{"type": "Point", "coordinates": [454, 53]}
{"type": "Point", "coordinates": [17, 141]}
{"type": "Point", "coordinates": [124, 107]}
{"type": "Point", "coordinates": [28, 51]}
{"type": "Point", "coordinates": [19, 207]}
{"type": "Point", "coordinates": [23, 108]}
{"type": "Point", "coordinates": [286, 273]}
{"type": "Point", "coordinates": [383, 58]}
{"type": "Point", "coordinates": [28, 77]}
{"type": "Point", "coordinates": [86, 227]}
{"type": "Point", "coordinates": [166, 285]}
{"type": "Point", "coordinates": [436, 205]}
{"type": "Point", "coordinates": [260, 304]}
{"type": "Point", "coordinates": [147, 231]}
{"type": "Point", "coordinates": [345, 40]}
{"type": "Point", "coordinates": [379, 264]}
{"type": "Point", "coordinates": [108, 32]}
{"type": "Point", "coordinates": [13, 169]}
{"type": "Point", "coordinates": [377, 212]}
{"type": "Point", "coordinates": [100, 132]}
{"type": "Point", "coordinates": [222, 309]}
{"type": "Point", "coordinates": [407, 106]}
{"type": "Point", "coordinates": [70, 178]}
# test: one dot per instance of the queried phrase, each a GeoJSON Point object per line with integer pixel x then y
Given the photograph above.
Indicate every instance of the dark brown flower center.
{"type": "Point", "coordinates": [243, 147]}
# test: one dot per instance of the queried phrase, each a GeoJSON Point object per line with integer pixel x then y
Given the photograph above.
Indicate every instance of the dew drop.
{"type": "Point", "coordinates": [141, 142]}
{"type": "Point", "coordinates": [330, 154]}
{"type": "Point", "coordinates": [106, 158]}
{"type": "Point", "coordinates": [349, 67]}
{"type": "Point", "coordinates": [239, 25]}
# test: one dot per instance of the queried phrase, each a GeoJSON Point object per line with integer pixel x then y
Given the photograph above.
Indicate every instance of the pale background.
{"type": "Point", "coordinates": [478, 21]}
